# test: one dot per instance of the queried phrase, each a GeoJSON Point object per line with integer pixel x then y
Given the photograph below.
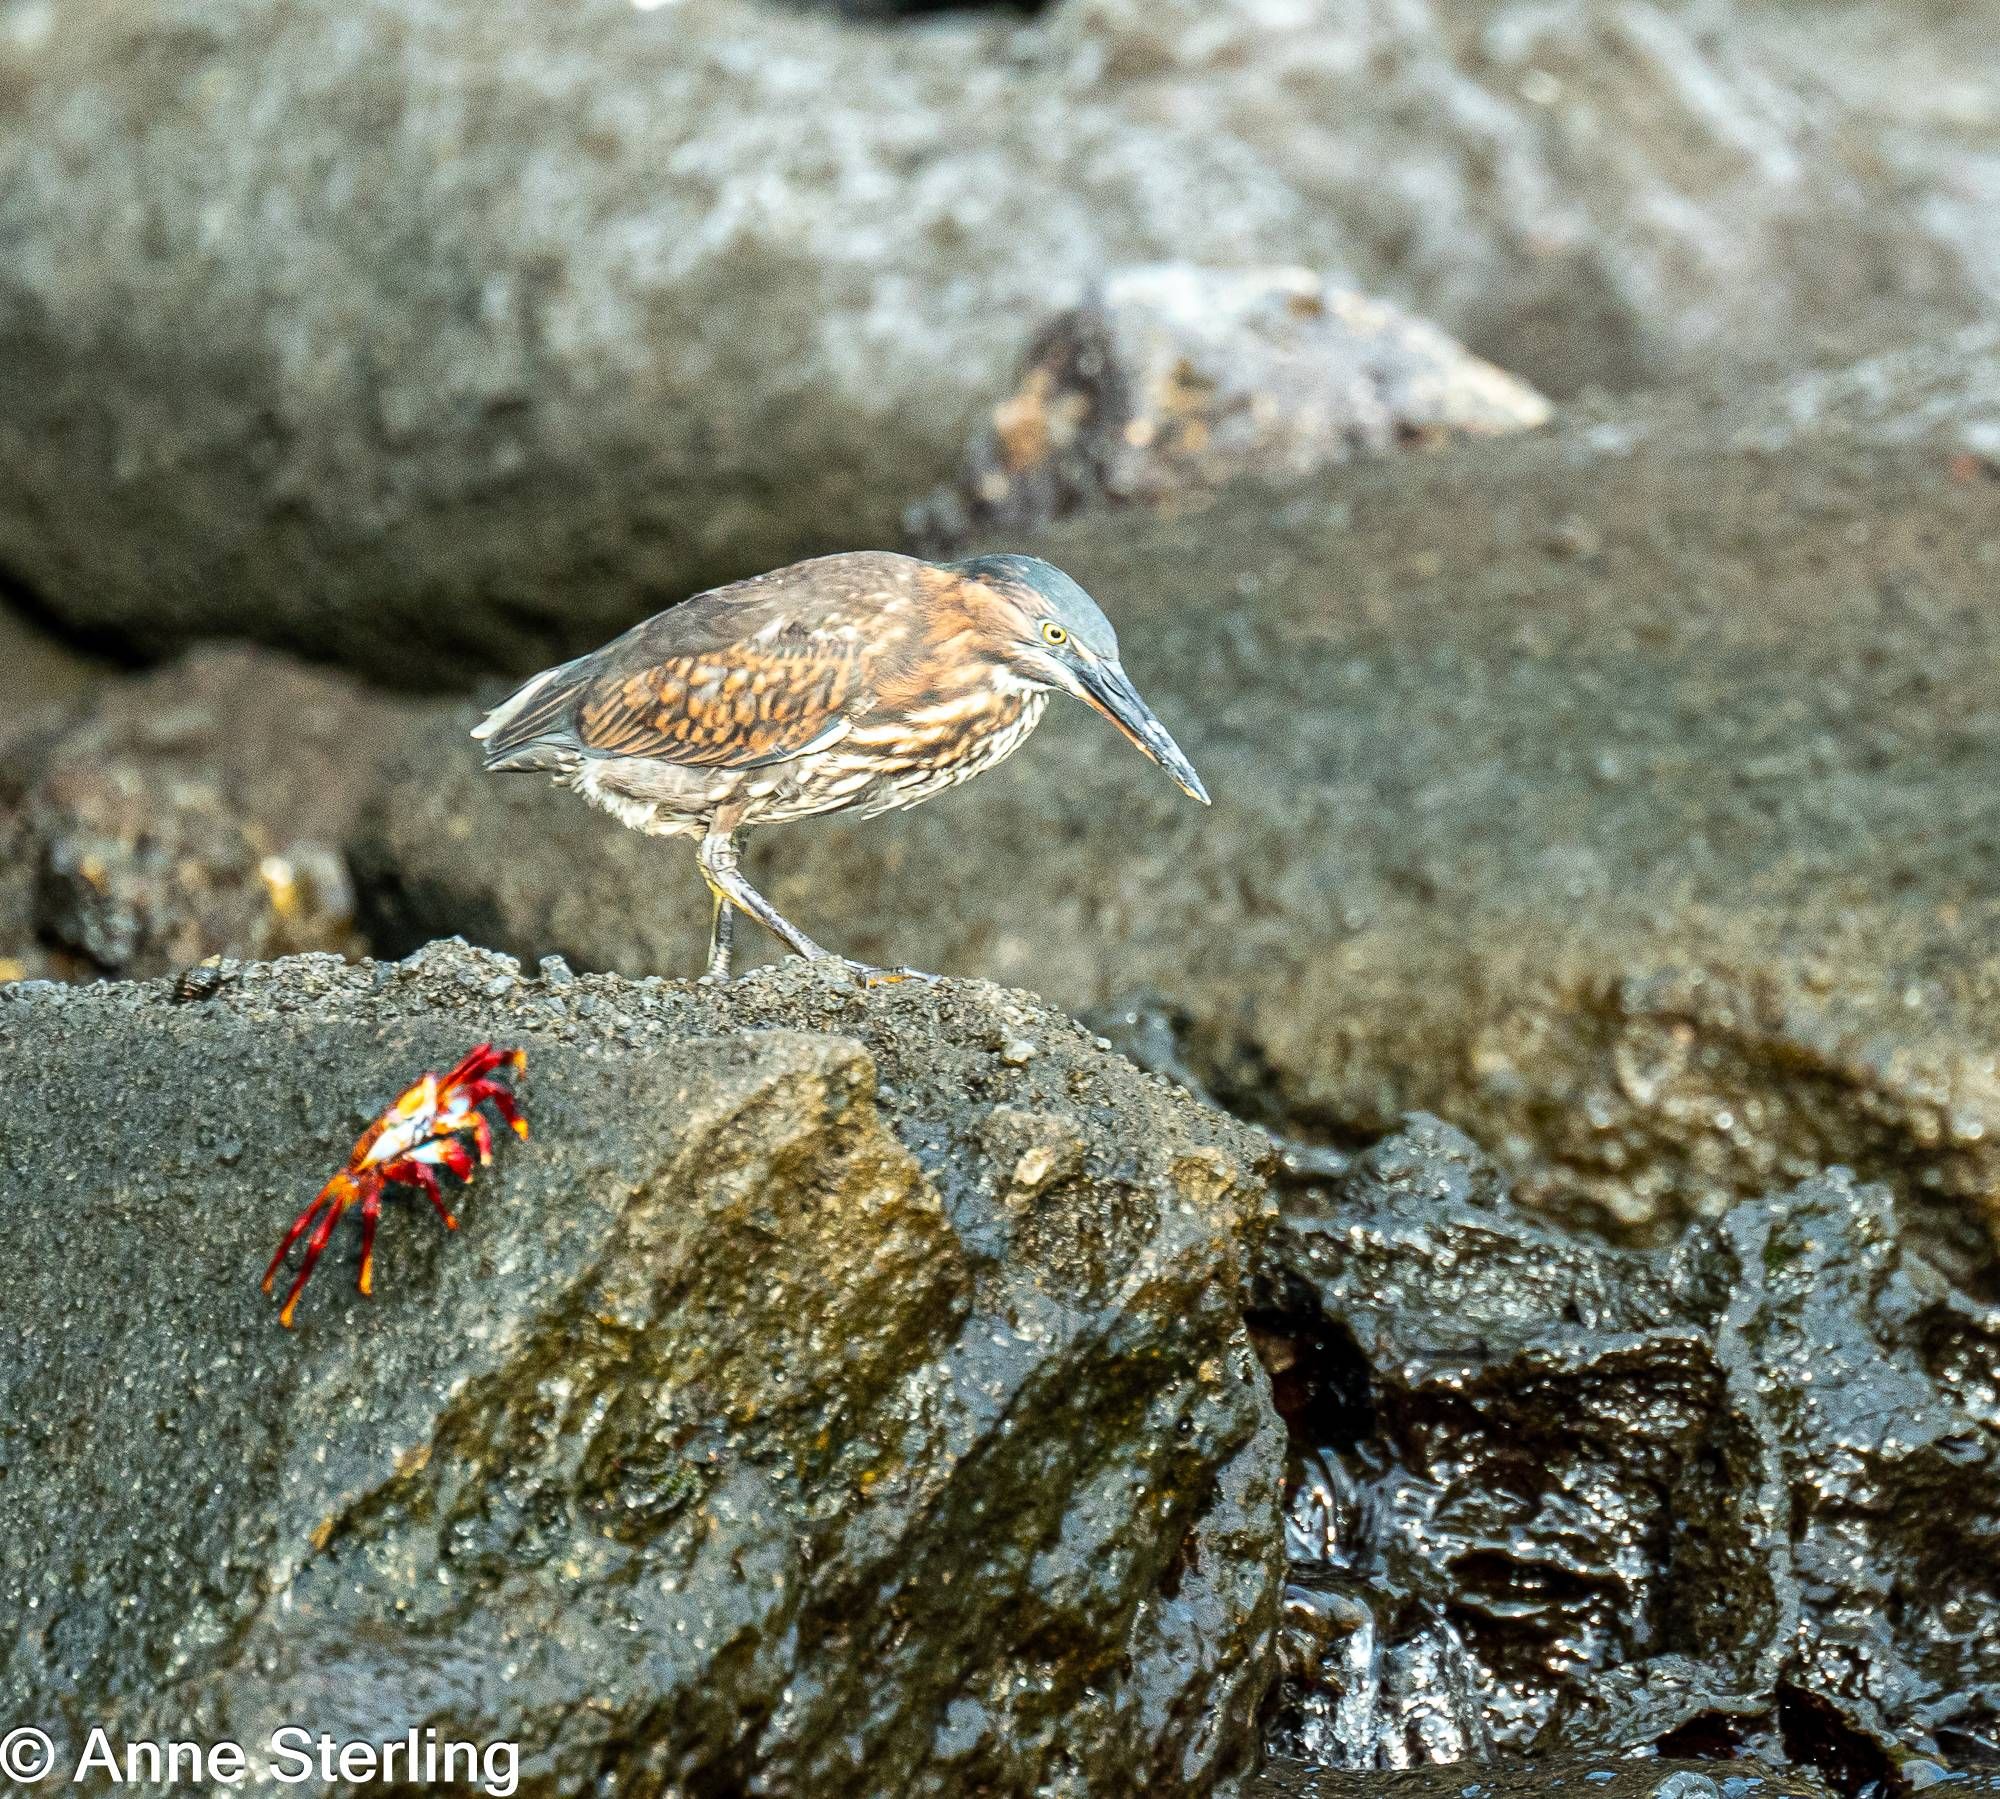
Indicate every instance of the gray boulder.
{"type": "Point", "coordinates": [203, 809]}
{"type": "Point", "coordinates": [433, 336]}
{"type": "Point", "coordinates": [841, 1390]}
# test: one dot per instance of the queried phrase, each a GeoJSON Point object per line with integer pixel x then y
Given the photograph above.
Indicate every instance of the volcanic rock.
{"type": "Point", "coordinates": [821, 1399]}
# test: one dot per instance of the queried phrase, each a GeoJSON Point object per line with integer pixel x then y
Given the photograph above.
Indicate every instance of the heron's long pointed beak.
{"type": "Point", "coordinates": [1107, 687]}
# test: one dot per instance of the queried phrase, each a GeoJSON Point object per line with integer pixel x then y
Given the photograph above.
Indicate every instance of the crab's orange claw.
{"type": "Point", "coordinates": [427, 1123]}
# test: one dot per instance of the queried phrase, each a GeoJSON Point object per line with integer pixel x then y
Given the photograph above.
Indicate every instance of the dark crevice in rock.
{"type": "Point", "coordinates": [91, 642]}
{"type": "Point", "coordinates": [1227, 1069]}
{"type": "Point", "coordinates": [1815, 1735]}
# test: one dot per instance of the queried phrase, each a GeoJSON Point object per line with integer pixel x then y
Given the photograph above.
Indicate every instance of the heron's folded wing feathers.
{"type": "Point", "coordinates": [749, 703]}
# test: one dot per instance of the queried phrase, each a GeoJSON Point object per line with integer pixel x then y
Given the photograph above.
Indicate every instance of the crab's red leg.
{"type": "Point", "coordinates": [299, 1227]}
{"type": "Point", "coordinates": [345, 1187]}
{"type": "Point", "coordinates": [502, 1100]}
{"type": "Point", "coordinates": [371, 1214]}
{"type": "Point", "coordinates": [482, 1134]}
{"type": "Point", "coordinates": [481, 1059]}
{"type": "Point", "coordinates": [476, 1061]}
{"type": "Point", "coordinates": [418, 1174]}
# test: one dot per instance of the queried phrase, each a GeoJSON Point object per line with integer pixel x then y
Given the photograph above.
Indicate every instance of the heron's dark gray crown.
{"type": "Point", "coordinates": [1066, 602]}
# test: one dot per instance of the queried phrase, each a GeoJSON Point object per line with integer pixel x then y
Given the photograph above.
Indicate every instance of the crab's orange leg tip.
{"type": "Point", "coordinates": [371, 1215]}
{"type": "Point", "coordinates": [519, 1127]}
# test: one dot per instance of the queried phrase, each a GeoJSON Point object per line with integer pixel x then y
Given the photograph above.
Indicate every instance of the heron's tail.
{"type": "Point", "coordinates": [533, 730]}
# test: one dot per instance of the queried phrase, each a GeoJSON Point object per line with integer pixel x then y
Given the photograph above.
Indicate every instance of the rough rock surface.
{"type": "Point", "coordinates": [200, 810]}
{"type": "Point", "coordinates": [841, 1391]}
{"type": "Point", "coordinates": [1607, 1499]}
{"type": "Point", "coordinates": [432, 336]}
{"type": "Point", "coordinates": [1628, 793]}
{"type": "Point", "coordinates": [1171, 381]}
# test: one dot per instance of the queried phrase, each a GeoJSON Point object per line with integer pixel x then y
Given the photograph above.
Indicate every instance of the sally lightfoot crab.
{"type": "Point", "coordinates": [424, 1129]}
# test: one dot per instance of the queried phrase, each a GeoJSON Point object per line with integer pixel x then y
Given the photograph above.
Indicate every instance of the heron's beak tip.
{"type": "Point", "coordinates": [1110, 690]}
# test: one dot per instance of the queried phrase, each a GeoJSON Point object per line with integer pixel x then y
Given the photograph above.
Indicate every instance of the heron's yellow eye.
{"type": "Point", "coordinates": [1053, 634]}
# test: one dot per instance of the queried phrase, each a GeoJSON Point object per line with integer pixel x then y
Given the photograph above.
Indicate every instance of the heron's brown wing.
{"type": "Point", "coordinates": [748, 674]}
{"type": "Point", "coordinates": [757, 703]}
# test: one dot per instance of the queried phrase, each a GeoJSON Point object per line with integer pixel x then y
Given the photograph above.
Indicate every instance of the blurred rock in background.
{"type": "Point", "coordinates": [431, 337]}
{"type": "Point", "coordinates": [200, 810]}
{"type": "Point", "coordinates": [1168, 382]}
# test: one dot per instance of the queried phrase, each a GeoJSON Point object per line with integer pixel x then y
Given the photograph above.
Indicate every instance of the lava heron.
{"type": "Point", "coordinates": [858, 683]}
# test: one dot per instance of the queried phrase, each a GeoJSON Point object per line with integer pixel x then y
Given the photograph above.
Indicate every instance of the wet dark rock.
{"type": "Point", "coordinates": [203, 810]}
{"type": "Point", "coordinates": [1744, 1495]}
{"type": "Point", "coordinates": [1169, 382]}
{"type": "Point", "coordinates": [1567, 1778]}
{"type": "Point", "coordinates": [1628, 793]}
{"type": "Point", "coordinates": [818, 1401]}
{"type": "Point", "coordinates": [533, 317]}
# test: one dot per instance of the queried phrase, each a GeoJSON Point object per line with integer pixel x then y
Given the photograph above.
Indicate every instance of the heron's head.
{"type": "Point", "coordinates": [1051, 634]}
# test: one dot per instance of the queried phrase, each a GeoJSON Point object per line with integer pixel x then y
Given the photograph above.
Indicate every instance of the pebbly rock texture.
{"type": "Point", "coordinates": [433, 337]}
{"type": "Point", "coordinates": [1628, 793]}
{"type": "Point", "coordinates": [1744, 1495]}
{"type": "Point", "coordinates": [202, 810]}
{"type": "Point", "coordinates": [842, 1390]}
{"type": "Point", "coordinates": [1169, 382]}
